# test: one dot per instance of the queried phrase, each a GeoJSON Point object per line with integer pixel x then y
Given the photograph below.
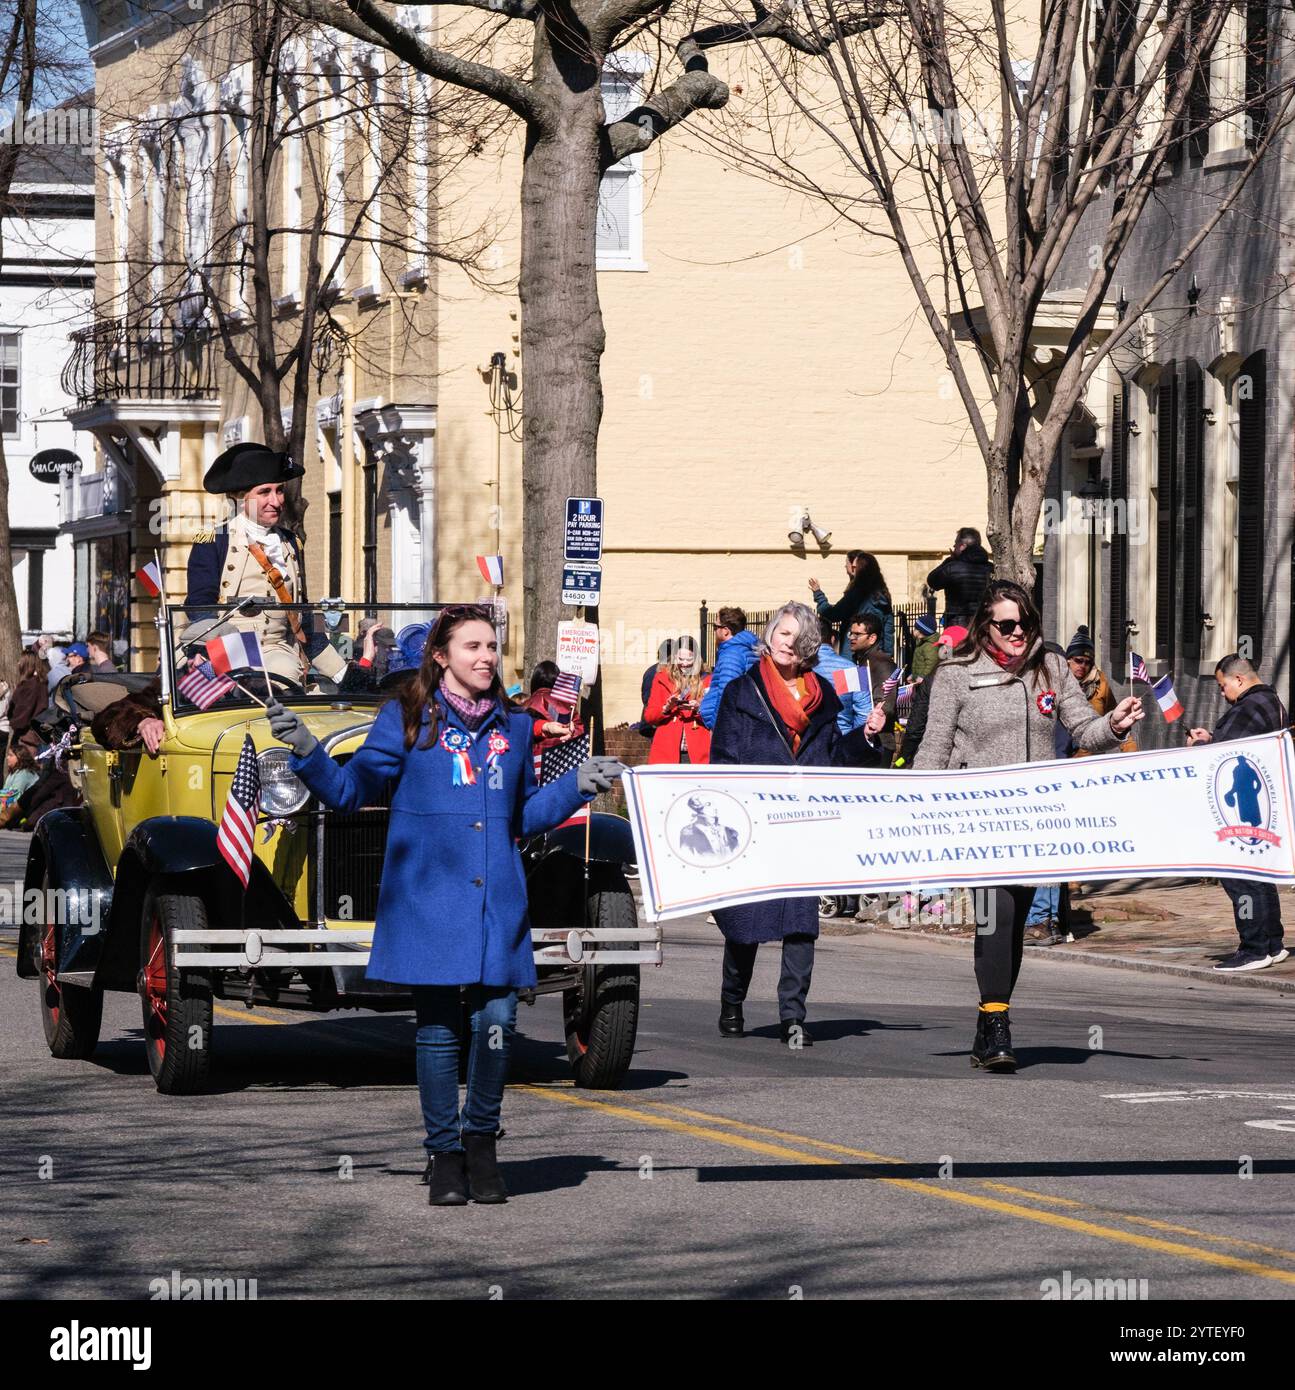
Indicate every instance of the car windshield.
{"type": "Point", "coordinates": [224, 656]}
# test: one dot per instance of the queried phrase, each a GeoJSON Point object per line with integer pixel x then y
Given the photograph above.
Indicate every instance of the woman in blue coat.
{"type": "Point", "coordinates": [452, 903]}
{"type": "Point", "coordinates": [779, 712]}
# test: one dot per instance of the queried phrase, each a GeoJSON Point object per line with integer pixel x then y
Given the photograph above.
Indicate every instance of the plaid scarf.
{"type": "Point", "coordinates": [473, 712]}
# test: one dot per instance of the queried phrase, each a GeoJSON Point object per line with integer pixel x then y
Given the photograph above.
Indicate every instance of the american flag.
{"type": "Point", "coordinates": [1138, 669]}
{"type": "Point", "coordinates": [203, 687]}
{"type": "Point", "coordinates": [891, 681]}
{"type": "Point", "coordinates": [237, 831]}
{"type": "Point", "coordinates": [555, 762]}
{"type": "Point", "coordinates": [904, 700]}
{"type": "Point", "coordinates": [566, 689]}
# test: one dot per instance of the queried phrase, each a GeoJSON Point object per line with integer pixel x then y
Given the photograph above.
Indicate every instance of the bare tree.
{"type": "Point", "coordinates": [541, 63]}
{"type": "Point", "coordinates": [989, 147]}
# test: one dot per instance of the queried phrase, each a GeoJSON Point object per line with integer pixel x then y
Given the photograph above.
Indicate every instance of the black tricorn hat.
{"type": "Point", "coordinates": [249, 465]}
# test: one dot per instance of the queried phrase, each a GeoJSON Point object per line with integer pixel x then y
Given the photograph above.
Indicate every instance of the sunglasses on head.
{"type": "Point", "coordinates": [460, 610]}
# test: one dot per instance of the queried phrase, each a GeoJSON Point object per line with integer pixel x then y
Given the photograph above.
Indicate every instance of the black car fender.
{"type": "Point", "coordinates": [610, 840]}
{"type": "Point", "coordinates": [65, 850]}
{"type": "Point", "coordinates": [181, 851]}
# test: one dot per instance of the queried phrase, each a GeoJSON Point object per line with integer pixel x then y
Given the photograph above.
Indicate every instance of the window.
{"type": "Point", "coordinates": [620, 195]}
{"type": "Point", "coordinates": [10, 383]}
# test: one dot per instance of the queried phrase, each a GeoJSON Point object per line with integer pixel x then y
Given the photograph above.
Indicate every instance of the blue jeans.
{"type": "Point", "coordinates": [1046, 904]}
{"type": "Point", "coordinates": [492, 1021]}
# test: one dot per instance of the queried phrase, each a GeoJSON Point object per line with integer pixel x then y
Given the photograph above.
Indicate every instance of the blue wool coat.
{"type": "Point", "coordinates": [452, 902]}
{"type": "Point", "coordinates": [745, 733]}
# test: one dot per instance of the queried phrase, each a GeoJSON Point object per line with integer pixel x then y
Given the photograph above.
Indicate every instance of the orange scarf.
{"type": "Point", "coordinates": [793, 712]}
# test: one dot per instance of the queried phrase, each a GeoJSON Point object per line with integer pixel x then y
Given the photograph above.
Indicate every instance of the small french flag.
{"type": "Point", "coordinates": [240, 651]}
{"type": "Point", "coordinates": [492, 569]}
{"type": "Point", "coordinates": [150, 576]}
{"type": "Point", "coordinates": [1167, 699]}
{"type": "Point", "coordinates": [846, 680]}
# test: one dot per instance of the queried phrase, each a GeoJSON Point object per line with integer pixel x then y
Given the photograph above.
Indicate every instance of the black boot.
{"type": "Point", "coordinates": [485, 1181]}
{"type": "Point", "coordinates": [993, 1046]}
{"type": "Point", "coordinates": [447, 1186]}
{"type": "Point", "coordinates": [730, 1020]}
{"type": "Point", "coordinates": [795, 1034]}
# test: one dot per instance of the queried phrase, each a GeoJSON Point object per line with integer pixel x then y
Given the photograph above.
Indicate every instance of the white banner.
{"type": "Point", "coordinates": [711, 837]}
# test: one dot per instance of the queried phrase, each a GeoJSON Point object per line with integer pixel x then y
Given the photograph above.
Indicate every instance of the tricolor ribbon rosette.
{"type": "Point", "coordinates": [459, 746]}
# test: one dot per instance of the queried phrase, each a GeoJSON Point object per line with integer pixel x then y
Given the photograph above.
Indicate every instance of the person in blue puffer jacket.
{"type": "Point", "coordinates": [738, 652]}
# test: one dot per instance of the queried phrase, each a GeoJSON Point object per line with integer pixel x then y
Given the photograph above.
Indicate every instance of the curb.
{"type": "Point", "coordinates": [1251, 980]}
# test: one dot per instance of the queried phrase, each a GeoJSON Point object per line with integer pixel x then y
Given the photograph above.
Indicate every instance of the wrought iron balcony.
{"type": "Point", "coordinates": [112, 361]}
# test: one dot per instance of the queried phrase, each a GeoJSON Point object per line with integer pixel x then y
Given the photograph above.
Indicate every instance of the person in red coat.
{"type": "Point", "coordinates": [674, 710]}
{"type": "Point", "coordinates": [548, 728]}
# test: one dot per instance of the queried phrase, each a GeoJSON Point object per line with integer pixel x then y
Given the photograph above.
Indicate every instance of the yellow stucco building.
{"type": "Point", "coordinates": [760, 361]}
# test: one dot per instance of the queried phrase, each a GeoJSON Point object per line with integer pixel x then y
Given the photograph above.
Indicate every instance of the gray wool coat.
{"type": "Point", "coordinates": [981, 716]}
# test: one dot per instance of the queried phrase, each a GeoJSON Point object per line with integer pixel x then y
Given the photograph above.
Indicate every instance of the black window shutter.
{"type": "Point", "coordinates": [1256, 70]}
{"type": "Point", "coordinates": [1118, 587]}
{"type": "Point", "coordinates": [1166, 510]}
{"type": "Point", "coordinates": [1198, 98]}
{"type": "Point", "coordinates": [1191, 500]}
{"type": "Point", "coordinates": [1175, 61]}
{"type": "Point", "coordinates": [1251, 389]}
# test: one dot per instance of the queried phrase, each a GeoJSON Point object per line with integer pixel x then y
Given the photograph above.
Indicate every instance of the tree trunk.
{"type": "Point", "coordinates": [562, 325]}
{"type": "Point", "coordinates": [10, 623]}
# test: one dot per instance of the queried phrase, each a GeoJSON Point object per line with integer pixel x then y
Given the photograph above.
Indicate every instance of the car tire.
{"type": "Point", "coordinates": [829, 906]}
{"type": "Point", "coordinates": [601, 1013]}
{"type": "Point", "coordinates": [176, 1003]}
{"type": "Point", "coordinates": [71, 1015]}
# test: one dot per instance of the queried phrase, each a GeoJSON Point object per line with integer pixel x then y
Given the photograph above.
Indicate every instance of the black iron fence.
{"type": "Point", "coordinates": [111, 360]}
{"type": "Point", "coordinates": [906, 616]}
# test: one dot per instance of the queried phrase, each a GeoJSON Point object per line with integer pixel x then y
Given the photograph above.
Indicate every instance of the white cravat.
{"type": "Point", "coordinates": [269, 540]}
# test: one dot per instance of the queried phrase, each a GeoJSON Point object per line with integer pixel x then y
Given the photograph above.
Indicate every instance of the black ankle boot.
{"type": "Point", "coordinates": [794, 1033]}
{"type": "Point", "coordinates": [485, 1181]}
{"type": "Point", "coordinates": [447, 1186]}
{"type": "Point", "coordinates": [730, 1020]}
{"type": "Point", "coordinates": [992, 1048]}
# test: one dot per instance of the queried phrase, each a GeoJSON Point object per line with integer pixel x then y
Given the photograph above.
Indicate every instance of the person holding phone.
{"type": "Point", "coordinates": [452, 909]}
{"type": "Point", "coordinates": [674, 709]}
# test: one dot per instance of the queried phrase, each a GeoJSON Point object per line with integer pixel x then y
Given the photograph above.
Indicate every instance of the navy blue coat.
{"type": "Point", "coordinates": [207, 558]}
{"type": "Point", "coordinates": [452, 903]}
{"type": "Point", "coordinates": [748, 732]}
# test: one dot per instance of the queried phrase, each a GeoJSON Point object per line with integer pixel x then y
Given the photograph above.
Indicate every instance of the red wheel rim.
{"type": "Point", "coordinates": [49, 968]}
{"type": "Point", "coordinates": [155, 973]}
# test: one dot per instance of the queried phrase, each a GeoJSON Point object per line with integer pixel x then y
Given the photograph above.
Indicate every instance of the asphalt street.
{"type": "Point", "coordinates": [1148, 1135]}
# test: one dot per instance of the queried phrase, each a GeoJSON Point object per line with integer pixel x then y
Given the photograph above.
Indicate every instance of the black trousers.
{"type": "Point", "coordinates": [793, 983]}
{"type": "Point", "coordinates": [1258, 913]}
{"type": "Point", "coordinates": [1000, 939]}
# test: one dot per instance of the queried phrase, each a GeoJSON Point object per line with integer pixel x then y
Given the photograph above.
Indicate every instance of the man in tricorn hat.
{"type": "Point", "coordinates": [252, 556]}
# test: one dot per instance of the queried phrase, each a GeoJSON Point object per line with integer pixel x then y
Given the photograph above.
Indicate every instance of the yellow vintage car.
{"type": "Point", "coordinates": [137, 897]}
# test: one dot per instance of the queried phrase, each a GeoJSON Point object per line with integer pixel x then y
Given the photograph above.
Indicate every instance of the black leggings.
{"type": "Point", "coordinates": [1000, 939]}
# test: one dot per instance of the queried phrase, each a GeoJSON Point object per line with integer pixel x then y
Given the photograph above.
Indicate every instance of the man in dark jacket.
{"type": "Point", "coordinates": [868, 650]}
{"type": "Point", "coordinates": [962, 577]}
{"type": "Point", "coordinates": [1253, 708]}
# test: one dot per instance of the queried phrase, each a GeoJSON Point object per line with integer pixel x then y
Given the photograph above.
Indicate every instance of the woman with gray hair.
{"type": "Point", "coordinates": [779, 712]}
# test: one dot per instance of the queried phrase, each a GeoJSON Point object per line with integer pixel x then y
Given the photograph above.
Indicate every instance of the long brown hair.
{"type": "Point", "coordinates": [29, 664]}
{"type": "Point", "coordinates": [690, 686]}
{"type": "Point", "coordinates": [978, 639]}
{"type": "Point", "coordinates": [418, 695]}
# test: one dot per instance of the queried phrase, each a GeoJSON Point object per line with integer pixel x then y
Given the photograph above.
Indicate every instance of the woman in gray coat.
{"type": "Point", "coordinates": [997, 701]}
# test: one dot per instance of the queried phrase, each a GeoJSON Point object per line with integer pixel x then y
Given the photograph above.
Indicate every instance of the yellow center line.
{"type": "Point", "coordinates": [1029, 1193]}
{"type": "Point", "coordinates": [246, 1015]}
{"type": "Point", "coordinates": [948, 1194]}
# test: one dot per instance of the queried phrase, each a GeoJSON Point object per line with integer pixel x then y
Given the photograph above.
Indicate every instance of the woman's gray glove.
{"type": "Point", "coordinates": [597, 775]}
{"type": "Point", "coordinates": [287, 728]}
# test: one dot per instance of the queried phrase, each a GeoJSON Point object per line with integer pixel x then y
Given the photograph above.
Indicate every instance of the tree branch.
{"type": "Point", "coordinates": [362, 19]}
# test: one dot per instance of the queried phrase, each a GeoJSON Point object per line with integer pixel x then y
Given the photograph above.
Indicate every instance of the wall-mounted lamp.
{"type": "Point", "coordinates": [1209, 416]}
{"type": "Point", "coordinates": [1193, 296]}
{"type": "Point", "coordinates": [1121, 304]}
{"type": "Point", "coordinates": [1133, 428]}
{"type": "Point", "coordinates": [807, 527]}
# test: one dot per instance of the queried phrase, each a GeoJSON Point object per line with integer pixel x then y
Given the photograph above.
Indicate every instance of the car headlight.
{"type": "Point", "coordinates": [283, 793]}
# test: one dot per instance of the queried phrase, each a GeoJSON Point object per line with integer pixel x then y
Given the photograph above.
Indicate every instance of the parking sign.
{"type": "Point", "coordinates": [584, 529]}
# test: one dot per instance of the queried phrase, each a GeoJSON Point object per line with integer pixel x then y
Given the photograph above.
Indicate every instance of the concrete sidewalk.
{"type": "Point", "coordinates": [1170, 926]}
